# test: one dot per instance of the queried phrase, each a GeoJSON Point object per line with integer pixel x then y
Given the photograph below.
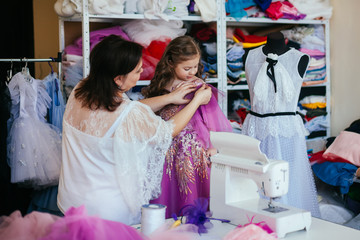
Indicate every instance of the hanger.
{"type": "Point", "coordinates": [25, 71]}
{"type": "Point", "coordinates": [51, 67]}
{"type": "Point", "coordinates": [9, 73]}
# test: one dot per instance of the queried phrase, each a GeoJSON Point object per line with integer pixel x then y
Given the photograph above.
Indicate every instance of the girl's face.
{"type": "Point", "coordinates": [186, 70]}
{"type": "Point", "coordinates": [132, 77]}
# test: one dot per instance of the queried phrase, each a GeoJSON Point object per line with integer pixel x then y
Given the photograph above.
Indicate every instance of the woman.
{"type": "Point", "coordinates": [114, 148]}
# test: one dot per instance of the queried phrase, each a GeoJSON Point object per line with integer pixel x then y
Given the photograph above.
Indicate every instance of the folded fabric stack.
{"type": "Point", "coordinates": [314, 107]}
{"type": "Point", "coordinates": [311, 41]}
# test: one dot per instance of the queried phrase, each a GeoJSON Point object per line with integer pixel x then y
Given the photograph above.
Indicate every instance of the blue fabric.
{"type": "Point", "coordinates": [232, 74]}
{"type": "Point", "coordinates": [235, 53]}
{"type": "Point", "coordinates": [236, 8]}
{"type": "Point", "coordinates": [336, 174]}
{"type": "Point", "coordinates": [45, 201]}
{"type": "Point", "coordinates": [235, 66]}
{"type": "Point", "coordinates": [57, 108]}
{"type": "Point", "coordinates": [263, 4]}
{"type": "Point", "coordinates": [209, 67]}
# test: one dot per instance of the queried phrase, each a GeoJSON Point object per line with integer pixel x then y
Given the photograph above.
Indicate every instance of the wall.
{"type": "Point", "coordinates": [344, 55]}
{"type": "Point", "coordinates": [345, 68]}
{"type": "Point", "coordinates": [46, 35]}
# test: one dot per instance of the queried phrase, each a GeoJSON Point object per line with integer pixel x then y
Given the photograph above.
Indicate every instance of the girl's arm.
{"type": "Point", "coordinates": [202, 96]}
{"type": "Point", "coordinates": [174, 97]}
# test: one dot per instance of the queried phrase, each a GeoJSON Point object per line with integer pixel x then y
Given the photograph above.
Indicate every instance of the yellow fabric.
{"type": "Point", "coordinates": [251, 45]}
{"type": "Point", "coordinates": [314, 105]}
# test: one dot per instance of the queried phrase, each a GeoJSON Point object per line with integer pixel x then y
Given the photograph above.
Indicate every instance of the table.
{"type": "Point", "coordinates": [319, 230]}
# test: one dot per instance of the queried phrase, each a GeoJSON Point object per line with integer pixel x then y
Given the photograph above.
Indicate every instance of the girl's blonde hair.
{"type": "Point", "coordinates": [180, 49]}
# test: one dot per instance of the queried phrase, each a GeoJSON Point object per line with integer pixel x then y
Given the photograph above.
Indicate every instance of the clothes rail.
{"type": "Point", "coordinates": [58, 59]}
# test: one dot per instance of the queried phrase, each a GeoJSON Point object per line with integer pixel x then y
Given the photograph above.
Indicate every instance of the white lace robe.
{"type": "Point", "coordinates": [112, 162]}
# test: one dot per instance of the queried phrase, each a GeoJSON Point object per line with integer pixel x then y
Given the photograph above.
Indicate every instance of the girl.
{"type": "Point", "coordinates": [187, 164]}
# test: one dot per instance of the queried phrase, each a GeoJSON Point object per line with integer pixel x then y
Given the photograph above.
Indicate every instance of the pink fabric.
{"type": "Point", "coordinates": [346, 146]}
{"type": "Point", "coordinates": [208, 118]}
{"type": "Point", "coordinates": [95, 38]}
{"type": "Point", "coordinates": [30, 227]}
{"type": "Point", "coordinates": [274, 11]}
{"type": "Point", "coordinates": [249, 232]}
{"type": "Point", "coordinates": [312, 52]}
{"type": "Point", "coordinates": [77, 225]}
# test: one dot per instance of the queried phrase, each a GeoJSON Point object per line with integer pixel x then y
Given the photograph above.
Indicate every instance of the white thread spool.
{"type": "Point", "coordinates": [152, 217]}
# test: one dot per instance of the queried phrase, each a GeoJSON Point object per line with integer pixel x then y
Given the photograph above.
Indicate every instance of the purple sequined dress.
{"type": "Point", "coordinates": [187, 167]}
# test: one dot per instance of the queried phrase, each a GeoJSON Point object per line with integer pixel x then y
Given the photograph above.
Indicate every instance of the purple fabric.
{"type": "Point", "coordinates": [293, 17]}
{"type": "Point", "coordinates": [186, 170]}
{"type": "Point", "coordinates": [95, 37]}
{"type": "Point", "coordinates": [209, 118]}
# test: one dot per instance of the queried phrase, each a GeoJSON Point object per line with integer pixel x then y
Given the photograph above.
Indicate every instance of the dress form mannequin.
{"type": "Point", "coordinates": [276, 44]}
{"type": "Point", "coordinates": [275, 82]}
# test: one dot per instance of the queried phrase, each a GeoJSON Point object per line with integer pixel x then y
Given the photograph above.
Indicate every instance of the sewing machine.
{"type": "Point", "coordinates": [239, 171]}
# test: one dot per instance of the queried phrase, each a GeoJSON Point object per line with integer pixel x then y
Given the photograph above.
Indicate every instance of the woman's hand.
{"type": "Point", "coordinates": [203, 94]}
{"type": "Point", "coordinates": [180, 91]}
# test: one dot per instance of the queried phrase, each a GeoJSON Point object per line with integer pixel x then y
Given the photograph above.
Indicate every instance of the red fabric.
{"type": "Point", "coordinates": [157, 48]}
{"type": "Point", "coordinates": [307, 118]}
{"type": "Point", "coordinates": [274, 11]}
{"type": "Point", "coordinates": [242, 112]}
{"type": "Point", "coordinates": [206, 35]}
{"type": "Point", "coordinates": [319, 158]}
{"type": "Point", "coordinates": [151, 57]}
{"type": "Point", "coordinates": [248, 38]}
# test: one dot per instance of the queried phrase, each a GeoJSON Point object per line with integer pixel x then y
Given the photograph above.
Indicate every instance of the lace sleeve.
{"type": "Point", "coordinates": [141, 125]}
{"type": "Point", "coordinates": [140, 144]}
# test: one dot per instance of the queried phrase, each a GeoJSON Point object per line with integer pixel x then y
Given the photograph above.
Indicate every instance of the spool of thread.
{"type": "Point", "coordinates": [152, 217]}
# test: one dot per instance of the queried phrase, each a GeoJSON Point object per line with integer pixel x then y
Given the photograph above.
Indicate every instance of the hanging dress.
{"type": "Point", "coordinates": [187, 167]}
{"type": "Point", "coordinates": [34, 146]}
{"type": "Point", "coordinates": [57, 107]}
{"type": "Point", "coordinates": [274, 87]}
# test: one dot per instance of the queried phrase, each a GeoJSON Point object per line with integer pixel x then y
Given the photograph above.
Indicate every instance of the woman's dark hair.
{"type": "Point", "coordinates": [111, 57]}
{"type": "Point", "coordinates": [180, 49]}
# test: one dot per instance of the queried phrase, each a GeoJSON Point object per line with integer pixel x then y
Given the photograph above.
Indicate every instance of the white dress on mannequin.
{"type": "Point", "coordinates": [282, 136]}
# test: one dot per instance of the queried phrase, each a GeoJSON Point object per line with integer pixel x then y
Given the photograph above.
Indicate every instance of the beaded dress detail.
{"type": "Point", "coordinates": [187, 166]}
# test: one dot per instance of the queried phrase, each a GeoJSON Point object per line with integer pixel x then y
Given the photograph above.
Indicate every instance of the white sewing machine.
{"type": "Point", "coordinates": [238, 172]}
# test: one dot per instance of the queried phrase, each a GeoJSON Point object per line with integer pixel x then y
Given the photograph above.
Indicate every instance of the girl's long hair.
{"type": "Point", "coordinates": [180, 49]}
{"type": "Point", "coordinates": [111, 57]}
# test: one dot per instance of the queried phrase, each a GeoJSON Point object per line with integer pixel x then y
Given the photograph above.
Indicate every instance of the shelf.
{"type": "Point", "coordinates": [266, 21]}
{"type": "Point", "coordinates": [111, 18]}
{"type": "Point", "coordinates": [238, 87]}
{"type": "Point", "coordinates": [245, 86]}
{"type": "Point", "coordinates": [222, 22]}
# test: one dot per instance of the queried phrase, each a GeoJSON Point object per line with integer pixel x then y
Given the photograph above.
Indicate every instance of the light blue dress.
{"type": "Point", "coordinates": [57, 107]}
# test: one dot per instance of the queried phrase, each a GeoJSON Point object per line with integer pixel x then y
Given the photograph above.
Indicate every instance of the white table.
{"type": "Point", "coordinates": [319, 230]}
